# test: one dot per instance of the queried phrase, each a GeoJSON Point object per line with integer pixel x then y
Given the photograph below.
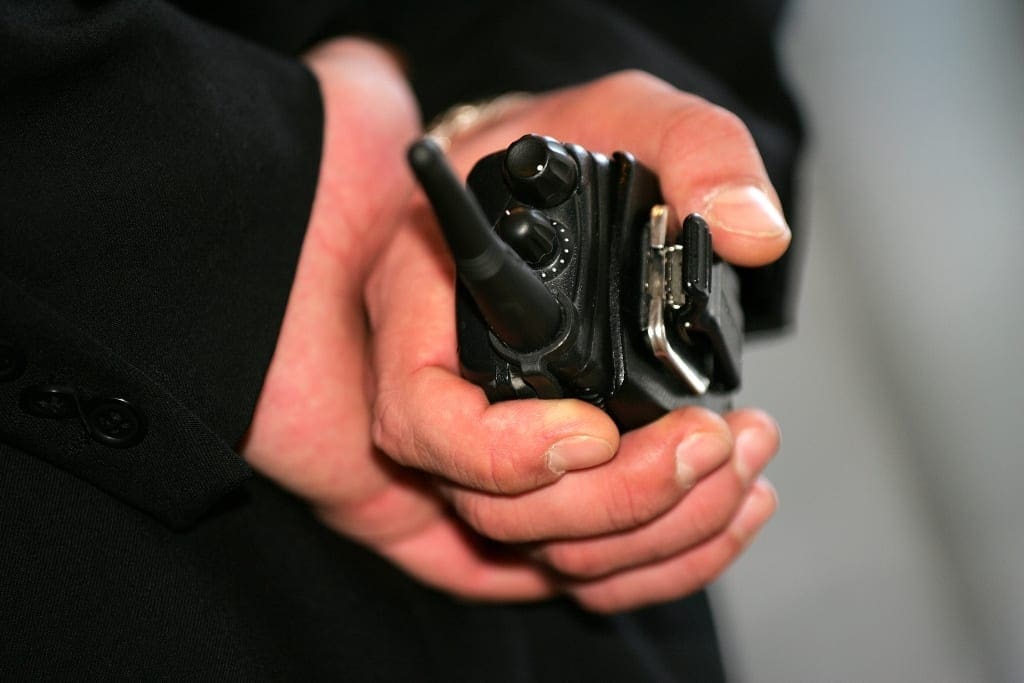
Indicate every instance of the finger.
{"type": "Point", "coordinates": [702, 514]}
{"type": "Point", "coordinates": [757, 437]}
{"type": "Point", "coordinates": [503, 448]}
{"type": "Point", "coordinates": [654, 468]}
{"type": "Point", "coordinates": [685, 573]}
{"type": "Point", "coordinates": [318, 367]}
{"type": "Point", "coordinates": [364, 178]}
{"type": "Point", "coordinates": [427, 417]}
{"type": "Point", "coordinates": [705, 157]}
{"type": "Point", "coordinates": [706, 161]}
{"type": "Point", "coordinates": [452, 559]}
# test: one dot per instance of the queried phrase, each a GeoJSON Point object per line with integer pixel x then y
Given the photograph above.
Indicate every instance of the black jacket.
{"type": "Point", "coordinates": [157, 164]}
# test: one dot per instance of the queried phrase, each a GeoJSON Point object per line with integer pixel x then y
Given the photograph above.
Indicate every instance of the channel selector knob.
{"type": "Point", "coordinates": [540, 171]}
{"type": "Point", "coordinates": [531, 234]}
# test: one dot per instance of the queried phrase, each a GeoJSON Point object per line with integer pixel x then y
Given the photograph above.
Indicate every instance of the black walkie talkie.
{"type": "Point", "coordinates": [575, 281]}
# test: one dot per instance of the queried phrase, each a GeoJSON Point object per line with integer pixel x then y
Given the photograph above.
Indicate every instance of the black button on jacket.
{"type": "Point", "coordinates": [157, 166]}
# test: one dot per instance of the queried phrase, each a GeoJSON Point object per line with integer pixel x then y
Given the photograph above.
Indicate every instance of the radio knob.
{"type": "Point", "coordinates": [531, 234]}
{"type": "Point", "coordinates": [540, 171]}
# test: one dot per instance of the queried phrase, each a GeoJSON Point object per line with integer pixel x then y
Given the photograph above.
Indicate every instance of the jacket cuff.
{"type": "Point", "coordinates": [155, 188]}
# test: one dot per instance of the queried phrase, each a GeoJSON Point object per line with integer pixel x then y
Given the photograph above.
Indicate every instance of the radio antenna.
{"type": "Point", "coordinates": [517, 306]}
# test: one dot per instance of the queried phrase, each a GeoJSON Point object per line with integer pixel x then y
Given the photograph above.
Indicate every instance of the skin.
{"type": "Point", "coordinates": [364, 414]}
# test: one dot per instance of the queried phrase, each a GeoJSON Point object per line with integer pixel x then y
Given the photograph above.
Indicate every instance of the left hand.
{"type": "Point", "coordinates": [445, 471]}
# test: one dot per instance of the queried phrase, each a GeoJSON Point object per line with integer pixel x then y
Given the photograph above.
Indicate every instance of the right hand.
{"type": "Point", "coordinates": [681, 497]}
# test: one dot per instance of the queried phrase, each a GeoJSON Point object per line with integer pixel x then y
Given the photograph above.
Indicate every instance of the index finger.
{"type": "Point", "coordinates": [705, 158]}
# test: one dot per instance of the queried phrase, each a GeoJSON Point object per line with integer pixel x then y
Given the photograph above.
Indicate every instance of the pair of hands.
{"type": "Point", "coordinates": [363, 412]}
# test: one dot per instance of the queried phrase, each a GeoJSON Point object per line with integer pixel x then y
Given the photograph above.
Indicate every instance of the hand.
{"type": "Point", "coordinates": [311, 427]}
{"type": "Point", "coordinates": [310, 433]}
{"type": "Point", "coordinates": [681, 497]}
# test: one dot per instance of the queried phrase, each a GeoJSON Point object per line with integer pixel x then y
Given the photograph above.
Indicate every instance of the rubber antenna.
{"type": "Point", "coordinates": [517, 306]}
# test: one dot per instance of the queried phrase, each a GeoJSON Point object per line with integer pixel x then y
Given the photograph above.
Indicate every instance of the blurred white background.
{"type": "Point", "coordinates": [897, 553]}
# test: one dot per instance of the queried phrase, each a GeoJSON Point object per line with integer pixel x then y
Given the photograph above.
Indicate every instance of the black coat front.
{"type": "Point", "coordinates": [157, 165]}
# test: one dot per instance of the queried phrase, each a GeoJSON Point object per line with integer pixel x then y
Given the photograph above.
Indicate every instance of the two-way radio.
{"type": "Point", "coordinates": [576, 281]}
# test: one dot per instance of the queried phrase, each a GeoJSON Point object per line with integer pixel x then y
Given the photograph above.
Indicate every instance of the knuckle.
{"type": "Point", "coordinates": [721, 119]}
{"type": "Point", "coordinates": [392, 433]}
{"type": "Point", "coordinates": [698, 418]}
{"type": "Point", "coordinates": [507, 462]}
{"type": "Point", "coordinates": [710, 518]}
{"type": "Point", "coordinates": [575, 562]}
{"type": "Point", "coordinates": [480, 515]}
{"type": "Point", "coordinates": [385, 426]}
{"type": "Point", "coordinates": [625, 508]}
{"type": "Point", "coordinates": [707, 573]}
{"type": "Point", "coordinates": [703, 574]}
{"type": "Point", "coordinates": [505, 473]}
{"type": "Point", "coordinates": [632, 504]}
{"type": "Point", "coordinates": [631, 80]}
{"type": "Point", "coordinates": [698, 119]}
{"type": "Point", "coordinates": [470, 510]}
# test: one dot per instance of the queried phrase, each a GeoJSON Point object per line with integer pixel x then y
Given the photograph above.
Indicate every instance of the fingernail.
{"type": "Point", "coordinates": [577, 453]}
{"type": "Point", "coordinates": [698, 454]}
{"type": "Point", "coordinates": [744, 210]}
{"type": "Point", "coordinates": [755, 511]}
{"type": "Point", "coordinates": [753, 452]}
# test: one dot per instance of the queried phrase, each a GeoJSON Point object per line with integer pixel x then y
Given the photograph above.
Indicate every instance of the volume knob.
{"type": "Point", "coordinates": [539, 171]}
{"type": "Point", "coordinates": [531, 234]}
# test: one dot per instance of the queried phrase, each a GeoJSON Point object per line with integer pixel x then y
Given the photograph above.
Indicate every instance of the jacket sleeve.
{"type": "Point", "coordinates": [156, 178]}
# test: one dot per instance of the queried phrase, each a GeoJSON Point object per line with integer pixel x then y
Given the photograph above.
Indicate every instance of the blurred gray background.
{"type": "Point", "coordinates": [896, 554]}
